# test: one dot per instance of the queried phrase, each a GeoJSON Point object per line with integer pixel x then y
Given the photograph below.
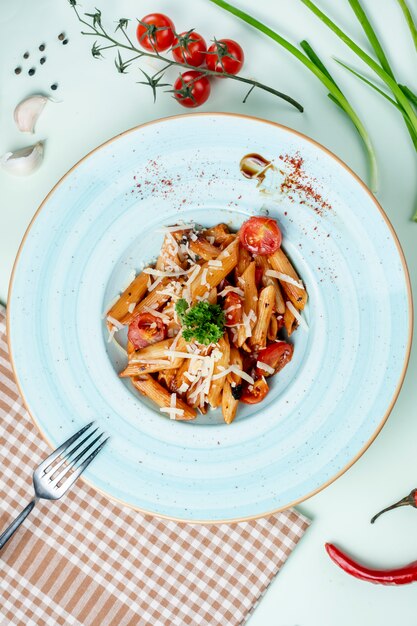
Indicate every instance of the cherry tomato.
{"type": "Point", "coordinates": [233, 300]}
{"type": "Point", "coordinates": [191, 89]}
{"type": "Point", "coordinates": [225, 55]}
{"type": "Point", "coordinates": [190, 48]}
{"type": "Point", "coordinates": [252, 394]}
{"type": "Point", "coordinates": [276, 355]}
{"type": "Point", "coordinates": [260, 235]}
{"type": "Point", "coordinates": [155, 31]}
{"type": "Point", "coordinates": [145, 329]}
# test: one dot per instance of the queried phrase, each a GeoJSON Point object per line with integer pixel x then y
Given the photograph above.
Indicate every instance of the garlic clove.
{"type": "Point", "coordinates": [23, 162]}
{"type": "Point", "coordinates": [27, 112]}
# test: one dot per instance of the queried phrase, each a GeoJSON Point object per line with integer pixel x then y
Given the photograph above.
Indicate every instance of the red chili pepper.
{"type": "Point", "coordinates": [399, 576]}
{"type": "Point", "coordinates": [410, 500]}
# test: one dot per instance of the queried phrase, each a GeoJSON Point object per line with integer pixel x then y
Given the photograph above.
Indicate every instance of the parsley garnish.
{"type": "Point", "coordinates": [204, 322]}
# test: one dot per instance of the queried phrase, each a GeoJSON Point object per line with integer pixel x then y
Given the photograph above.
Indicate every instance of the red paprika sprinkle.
{"type": "Point", "coordinates": [399, 576]}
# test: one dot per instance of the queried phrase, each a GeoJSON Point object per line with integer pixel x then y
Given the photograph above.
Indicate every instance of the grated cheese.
{"type": "Point", "coordinates": [215, 263]}
{"type": "Point", "coordinates": [172, 411]}
{"type": "Point", "coordinates": [184, 355]}
{"type": "Point", "coordinates": [153, 272]}
{"type": "Point", "coordinates": [285, 278]}
{"type": "Point", "coordinates": [131, 307]}
{"type": "Point", "coordinates": [194, 273]}
{"type": "Point", "coordinates": [204, 277]}
{"type": "Point", "coordinates": [265, 367]}
{"type": "Point", "coordinates": [227, 290]}
{"type": "Point", "coordinates": [235, 370]}
{"type": "Point", "coordinates": [115, 322]}
{"type": "Point", "coordinates": [297, 315]}
{"type": "Point", "coordinates": [157, 282]}
{"type": "Point", "coordinates": [184, 387]}
{"type": "Point", "coordinates": [173, 229]}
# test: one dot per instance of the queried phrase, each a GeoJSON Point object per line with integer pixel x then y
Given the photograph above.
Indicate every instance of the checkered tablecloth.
{"type": "Point", "coordinates": [85, 560]}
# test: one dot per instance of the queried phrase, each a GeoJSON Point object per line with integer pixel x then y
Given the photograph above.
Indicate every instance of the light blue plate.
{"type": "Point", "coordinates": [324, 409]}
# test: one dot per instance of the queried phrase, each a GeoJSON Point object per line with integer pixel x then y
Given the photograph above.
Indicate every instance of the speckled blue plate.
{"type": "Point", "coordinates": [324, 409]}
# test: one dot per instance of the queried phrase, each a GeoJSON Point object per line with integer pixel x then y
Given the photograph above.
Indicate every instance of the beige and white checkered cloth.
{"type": "Point", "coordinates": [86, 561]}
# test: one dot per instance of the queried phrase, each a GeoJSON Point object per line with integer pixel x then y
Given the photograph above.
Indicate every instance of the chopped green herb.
{"type": "Point", "coordinates": [203, 322]}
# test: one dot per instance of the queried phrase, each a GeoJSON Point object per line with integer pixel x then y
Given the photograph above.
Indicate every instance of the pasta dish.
{"type": "Point", "coordinates": [208, 323]}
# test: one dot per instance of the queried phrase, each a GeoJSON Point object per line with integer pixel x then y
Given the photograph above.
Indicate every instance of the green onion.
{"type": "Point", "coordinates": [380, 71]}
{"type": "Point", "coordinates": [335, 94]}
{"type": "Point", "coordinates": [410, 21]}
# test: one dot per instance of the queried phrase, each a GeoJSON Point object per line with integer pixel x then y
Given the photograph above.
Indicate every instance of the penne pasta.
{"type": "Point", "coordinates": [214, 394]}
{"type": "Point", "coordinates": [212, 297]}
{"type": "Point", "coordinates": [235, 359]}
{"type": "Point", "coordinates": [168, 256]}
{"type": "Point", "coordinates": [153, 300]}
{"type": "Point", "coordinates": [266, 306]}
{"type": "Point", "coordinates": [262, 261]}
{"type": "Point", "coordinates": [204, 248]}
{"type": "Point", "coordinates": [131, 296]}
{"type": "Point", "coordinates": [290, 323]}
{"type": "Point", "coordinates": [250, 304]}
{"type": "Point", "coordinates": [273, 328]}
{"type": "Point", "coordinates": [229, 403]}
{"type": "Point", "coordinates": [150, 388]}
{"type": "Point", "coordinates": [220, 233]}
{"type": "Point", "coordinates": [215, 274]}
{"type": "Point", "coordinates": [244, 259]}
{"type": "Point", "coordinates": [280, 263]}
{"type": "Point", "coordinates": [150, 367]}
{"type": "Point", "coordinates": [200, 335]}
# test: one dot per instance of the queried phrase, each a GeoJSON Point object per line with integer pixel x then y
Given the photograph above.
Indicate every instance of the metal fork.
{"type": "Point", "coordinates": [57, 473]}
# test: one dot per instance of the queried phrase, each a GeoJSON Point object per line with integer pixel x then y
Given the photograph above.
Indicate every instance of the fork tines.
{"type": "Point", "coordinates": [72, 457]}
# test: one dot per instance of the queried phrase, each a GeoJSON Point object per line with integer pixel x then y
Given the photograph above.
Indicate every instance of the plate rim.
{"type": "Point", "coordinates": [397, 243]}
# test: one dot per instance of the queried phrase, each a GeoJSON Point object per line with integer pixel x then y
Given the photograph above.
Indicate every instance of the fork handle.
{"type": "Point", "coordinates": [4, 537]}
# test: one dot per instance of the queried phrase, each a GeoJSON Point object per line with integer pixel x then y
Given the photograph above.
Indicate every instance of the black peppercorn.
{"type": "Point", "coordinates": [54, 87]}
{"type": "Point", "coordinates": [31, 71]}
{"type": "Point", "coordinates": [17, 70]}
{"type": "Point", "coordinates": [61, 36]}
{"type": "Point", "coordinates": [42, 47]}
{"type": "Point", "coordinates": [64, 43]}
{"type": "Point", "coordinates": [42, 60]}
{"type": "Point", "coordinates": [26, 55]}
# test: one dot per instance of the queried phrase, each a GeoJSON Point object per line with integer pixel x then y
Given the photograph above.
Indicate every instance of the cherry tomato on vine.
{"type": "Point", "coordinates": [276, 355]}
{"type": "Point", "coordinates": [156, 32]}
{"type": "Point", "coordinates": [145, 329]}
{"type": "Point", "coordinates": [191, 89]}
{"type": "Point", "coordinates": [260, 235]}
{"type": "Point", "coordinates": [189, 47]}
{"type": "Point", "coordinates": [225, 55]}
{"type": "Point", "coordinates": [252, 394]}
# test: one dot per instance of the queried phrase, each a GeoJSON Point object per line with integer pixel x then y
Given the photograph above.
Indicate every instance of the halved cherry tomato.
{"type": "Point", "coordinates": [231, 301]}
{"type": "Point", "coordinates": [252, 394]}
{"type": "Point", "coordinates": [155, 31]}
{"type": "Point", "coordinates": [145, 329]}
{"type": "Point", "coordinates": [190, 48]}
{"type": "Point", "coordinates": [260, 235]}
{"type": "Point", "coordinates": [191, 89]}
{"type": "Point", "coordinates": [276, 355]}
{"type": "Point", "coordinates": [225, 55]}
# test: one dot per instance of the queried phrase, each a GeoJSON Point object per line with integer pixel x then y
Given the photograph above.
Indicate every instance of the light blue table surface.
{"type": "Point", "coordinates": [97, 103]}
